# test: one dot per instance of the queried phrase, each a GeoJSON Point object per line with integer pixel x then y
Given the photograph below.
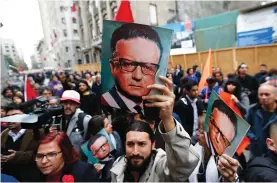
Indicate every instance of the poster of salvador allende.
{"type": "Point", "coordinates": [133, 57]}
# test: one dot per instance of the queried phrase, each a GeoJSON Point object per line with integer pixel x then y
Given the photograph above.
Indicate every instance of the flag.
{"type": "Point", "coordinates": [226, 97]}
{"type": "Point", "coordinates": [73, 8]}
{"type": "Point", "coordinates": [29, 92]}
{"type": "Point", "coordinates": [124, 13]}
{"type": "Point", "coordinates": [207, 71]}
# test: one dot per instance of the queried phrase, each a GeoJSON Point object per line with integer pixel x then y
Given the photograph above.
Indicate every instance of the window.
{"type": "Point", "coordinates": [153, 14]}
{"type": "Point", "coordinates": [65, 33]}
{"type": "Point", "coordinates": [7, 50]}
{"type": "Point", "coordinates": [13, 50]}
{"type": "Point", "coordinates": [6, 46]}
{"type": "Point", "coordinates": [66, 48]}
{"type": "Point", "coordinates": [78, 48]}
{"type": "Point", "coordinates": [79, 61]}
{"type": "Point", "coordinates": [63, 20]}
{"type": "Point", "coordinates": [74, 20]}
{"type": "Point", "coordinates": [63, 8]}
{"type": "Point", "coordinates": [87, 58]}
{"type": "Point", "coordinates": [13, 47]}
{"type": "Point", "coordinates": [69, 63]}
{"type": "Point", "coordinates": [75, 32]}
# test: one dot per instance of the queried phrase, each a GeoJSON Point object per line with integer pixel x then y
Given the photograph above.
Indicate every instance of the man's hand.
{"type": "Point", "coordinates": [6, 158]}
{"type": "Point", "coordinates": [227, 167]}
{"type": "Point", "coordinates": [165, 102]}
{"type": "Point", "coordinates": [53, 129]}
{"type": "Point", "coordinates": [98, 167]}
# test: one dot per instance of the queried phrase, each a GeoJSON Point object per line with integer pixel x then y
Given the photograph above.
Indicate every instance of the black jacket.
{"type": "Point", "coordinates": [81, 171]}
{"type": "Point", "coordinates": [177, 77]}
{"type": "Point", "coordinates": [89, 104]}
{"type": "Point", "coordinates": [262, 169]}
{"type": "Point", "coordinates": [184, 109]}
{"type": "Point", "coordinates": [97, 90]}
{"type": "Point", "coordinates": [249, 83]}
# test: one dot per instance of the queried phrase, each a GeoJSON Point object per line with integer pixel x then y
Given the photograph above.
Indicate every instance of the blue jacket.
{"type": "Point", "coordinates": [258, 131]}
{"type": "Point", "coordinates": [202, 94]}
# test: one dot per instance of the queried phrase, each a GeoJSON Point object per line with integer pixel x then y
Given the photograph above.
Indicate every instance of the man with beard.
{"type": "Point", "coordinates": [17, 146]}
{"type": "Point", "coordinates": [74, 120]}
{"type": "Point", "coordinates": [143, 163]}
{"type": "Point", "coordinates": [100, 149]}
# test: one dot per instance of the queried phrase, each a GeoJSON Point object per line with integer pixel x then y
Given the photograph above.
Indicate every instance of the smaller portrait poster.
{"type": "Point", "coordinates": [98, 147]}
{"type": "Point", "coordinates": [224, 129]}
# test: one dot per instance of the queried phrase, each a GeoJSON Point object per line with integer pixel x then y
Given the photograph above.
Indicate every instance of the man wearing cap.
{"type": "Point", "coordinates": [74, 120]}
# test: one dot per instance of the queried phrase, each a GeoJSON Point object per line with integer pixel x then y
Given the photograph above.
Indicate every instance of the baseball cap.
{"type": "Point", "coordinates": [71, 95]}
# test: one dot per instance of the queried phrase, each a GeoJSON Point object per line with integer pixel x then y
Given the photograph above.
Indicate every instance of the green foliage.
{"type": "Point", "coordinates": [9, 60]}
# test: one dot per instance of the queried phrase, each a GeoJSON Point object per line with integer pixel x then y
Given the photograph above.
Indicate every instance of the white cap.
{"type": "Point", "coordinates": [71, 95]}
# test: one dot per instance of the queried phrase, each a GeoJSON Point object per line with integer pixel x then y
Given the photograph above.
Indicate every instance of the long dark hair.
{"type": "Point", "coordinates": [237, 91]}
{"type": "Point", "coordinates": [95, 124]}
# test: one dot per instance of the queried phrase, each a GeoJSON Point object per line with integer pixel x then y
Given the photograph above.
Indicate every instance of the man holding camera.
{"type": "Point", "coordinates": [74, 120]}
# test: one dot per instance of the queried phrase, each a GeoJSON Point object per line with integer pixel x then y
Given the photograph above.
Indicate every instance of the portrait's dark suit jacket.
{"type": "Point", "coordinates": [113, 100]}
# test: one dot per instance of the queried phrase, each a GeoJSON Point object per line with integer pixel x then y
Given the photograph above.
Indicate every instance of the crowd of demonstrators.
{"type": "Point", "coordinates": [173, 149]}
{"type": "Point", "coordinates": [256, 99]}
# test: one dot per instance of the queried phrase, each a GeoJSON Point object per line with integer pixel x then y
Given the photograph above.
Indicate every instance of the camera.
{"type": "Point", "coordinates": [45, 115]}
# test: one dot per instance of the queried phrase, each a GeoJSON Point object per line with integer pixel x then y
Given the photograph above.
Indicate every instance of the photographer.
{"type": "Point", "coordinates": [17, 146]}
{"type": "Point", "coordinates": [74, 120]}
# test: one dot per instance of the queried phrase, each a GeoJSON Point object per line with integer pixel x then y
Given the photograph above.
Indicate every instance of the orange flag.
{"type": "Point", "coordinates": [226, 97]}
{"type": "Point", "coordinates": [206, 72]}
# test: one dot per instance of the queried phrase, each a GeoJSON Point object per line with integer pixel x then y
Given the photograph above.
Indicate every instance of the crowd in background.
{"type": "Point", "coordinates": [22, 148]}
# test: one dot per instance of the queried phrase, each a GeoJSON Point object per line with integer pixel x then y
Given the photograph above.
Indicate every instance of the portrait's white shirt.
{"type": "Point", "coordinates": [129, 103]}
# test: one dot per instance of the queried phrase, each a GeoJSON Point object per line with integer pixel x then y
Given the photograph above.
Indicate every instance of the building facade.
{"type": "Point", "coordinates": [92, 13]}
{"type": "Point", "coordinates": [191, 10]}
{"type": "Point", "coordinates": [9, 49]}
{"type": "Point", "coordinates": [61, 33]}
{"type": "Point", "coordinates": [76, 39]}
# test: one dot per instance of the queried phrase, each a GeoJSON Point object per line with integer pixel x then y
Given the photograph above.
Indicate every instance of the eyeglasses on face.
{"type": "Point", "coordinates": [100, 148]}
{"type": "Point", "coordinates": [130, 66]}
{"type": "Point", "coordinates": [214, 122]}
{"type": "Point", "coordinates": [49, 156]}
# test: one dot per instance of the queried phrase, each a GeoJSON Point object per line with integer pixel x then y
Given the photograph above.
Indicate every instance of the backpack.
{"type": "Point", "coordinates": [81, 124]}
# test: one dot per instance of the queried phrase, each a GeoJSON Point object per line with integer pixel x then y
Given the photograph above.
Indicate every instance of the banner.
{"type": "Point", "coordinates": [257, 27]}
